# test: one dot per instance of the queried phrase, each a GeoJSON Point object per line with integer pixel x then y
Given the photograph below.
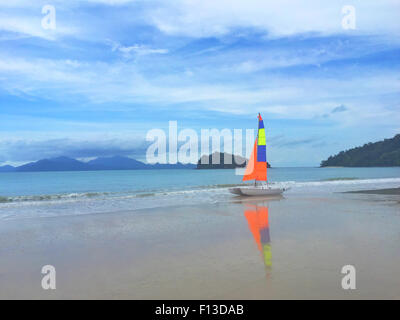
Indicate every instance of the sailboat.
{"type": "Point", "coordinates": [257, 169]}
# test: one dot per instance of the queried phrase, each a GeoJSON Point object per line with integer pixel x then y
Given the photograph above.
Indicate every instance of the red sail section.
{"type": "Point", "coordinates": [255, 170]}
{"type": "Point", "coordinates": [258, 223]}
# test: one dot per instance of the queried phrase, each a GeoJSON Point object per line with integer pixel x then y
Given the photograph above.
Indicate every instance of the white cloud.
{"type": "Point", "coordinates": [280, 96]}
{"type": "Point", "coordinates": [26, 26]}
{"type": "Point", "coordinates": [112, 2]}
{"type": "Point", "coordinates": [209, 78]}
{"type": "Point", "coordinates": [129, 51]}
{"type": "Point", "coordinates": [203, 18]}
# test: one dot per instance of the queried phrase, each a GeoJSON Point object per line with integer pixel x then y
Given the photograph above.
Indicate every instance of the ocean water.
{"type": "Point", "coordinates": [38, 194]}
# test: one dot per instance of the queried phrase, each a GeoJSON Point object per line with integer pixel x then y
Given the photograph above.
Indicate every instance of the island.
{"type": "Point", "coordinates": [384, 153]}
{"type": "Point", "coordinates": [236, 162]}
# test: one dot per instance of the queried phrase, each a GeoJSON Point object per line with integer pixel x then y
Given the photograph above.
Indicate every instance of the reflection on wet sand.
{"type": "Point", "coordinates": [257, 218]}
{"type": "Point", "coordinates": [256, 213]}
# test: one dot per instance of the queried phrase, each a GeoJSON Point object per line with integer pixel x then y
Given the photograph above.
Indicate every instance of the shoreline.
{"type": "Point", "coordinates": [390, 191]}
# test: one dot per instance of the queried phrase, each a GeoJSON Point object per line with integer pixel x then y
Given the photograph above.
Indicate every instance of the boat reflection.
{"type": "Point", "coordinates": [256, 212]}
{"type": "Point", "coordinates": [257, 218]}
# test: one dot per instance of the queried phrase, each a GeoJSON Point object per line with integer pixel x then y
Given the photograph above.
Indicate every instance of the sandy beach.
{"type": "Point", "coordinates": [210, 251]}
{"type": "Point", "coordinates": [390, 191]}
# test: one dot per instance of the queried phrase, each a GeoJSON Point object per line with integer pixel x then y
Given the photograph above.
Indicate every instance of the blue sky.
{"type": "Point", "coordinates": [114, 69]}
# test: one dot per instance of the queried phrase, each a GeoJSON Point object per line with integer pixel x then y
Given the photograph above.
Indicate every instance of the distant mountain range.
{"type": "Point", "coordinates": [384, 153]}
{"type": "Point", "coordinates": [7, 168]}
{"type": "Point", "coordinates": [118, 163]}
{"type": "Point", "coordinates": [103, 163]}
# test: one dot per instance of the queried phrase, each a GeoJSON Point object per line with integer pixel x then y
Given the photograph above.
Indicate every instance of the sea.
{"type": "Point", "coordinates": [51, 194]}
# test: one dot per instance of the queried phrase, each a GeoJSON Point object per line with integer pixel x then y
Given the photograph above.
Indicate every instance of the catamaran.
{"type": "Point", "coordinates": [256, 169]}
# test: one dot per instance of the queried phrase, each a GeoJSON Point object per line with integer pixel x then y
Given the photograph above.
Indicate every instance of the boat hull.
{"type": "Point", "coordinates": [254, 191]}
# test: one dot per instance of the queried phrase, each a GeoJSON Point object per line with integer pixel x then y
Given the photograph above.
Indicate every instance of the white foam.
{"type": "Point", "coordinates": [88, 203]}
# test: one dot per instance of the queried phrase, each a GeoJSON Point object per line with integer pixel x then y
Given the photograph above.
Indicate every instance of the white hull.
{"type": "Point", "coordinates": [257, 191]}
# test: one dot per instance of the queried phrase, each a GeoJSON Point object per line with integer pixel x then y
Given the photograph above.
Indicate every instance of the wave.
{"type": "Point", "coordinates": [219, 186]}
{"type": "Point", "coordinates": [121, 194]}
{"type": "Point", "coordinates": [52, 205]}
{"type": "Point", "coordinates": [145, 195]}
{"type": "Point", "coordinates": [349, 182]}
{"type": "Point", "coordinates": [48, 197]}
{"type": "Point", "coordinates": [340, 181]}
{"type": "Point", "coordinates": [4, 199]}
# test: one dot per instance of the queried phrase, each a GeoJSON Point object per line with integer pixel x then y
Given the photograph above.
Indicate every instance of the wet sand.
{"type": "Point", "coordinates": [290, 248]}
{"type": "Point", "coordinates": [392, 191]}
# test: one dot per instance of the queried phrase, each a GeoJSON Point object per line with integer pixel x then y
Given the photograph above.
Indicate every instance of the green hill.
{"type": "Point", "coordinates": [384, 153]}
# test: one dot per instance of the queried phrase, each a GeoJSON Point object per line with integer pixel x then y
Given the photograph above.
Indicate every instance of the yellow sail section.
{"type": "Point", "coordinates": [261, 137]}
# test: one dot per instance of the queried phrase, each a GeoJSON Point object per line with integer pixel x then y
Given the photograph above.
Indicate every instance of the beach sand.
{"type": "Point", "coordinates": [391, 191]}
{"type": "Point", "coordinates": [290, 248]}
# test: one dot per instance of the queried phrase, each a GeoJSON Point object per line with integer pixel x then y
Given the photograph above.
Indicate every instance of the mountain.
{"type": "Point", "coordinates": [240, 163]}
{"type": "Point", "coordinates": [172, 166]}
{"type": "Point", "coordinates": [116, 163]}
{"type": "Point", "coordinates": [55, 164]}
{"type": "Point", "coordinates": [102, 163]}
{"type": "Point", "coordinates": [384, 153]}
{"type": "Point", "coordinates": [125, 163]}
{"type": "Point", "coordinates": [7, 168]}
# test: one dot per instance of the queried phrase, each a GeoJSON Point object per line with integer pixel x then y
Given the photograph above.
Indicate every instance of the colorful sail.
{"type": "Point", "coordinates": [257, 166]}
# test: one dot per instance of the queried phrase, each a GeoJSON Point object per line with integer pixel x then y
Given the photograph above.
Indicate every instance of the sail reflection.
{"type": "Point", "coordinates": [257, 218]}
{"type": "Point", "coordinates": [256, 212]}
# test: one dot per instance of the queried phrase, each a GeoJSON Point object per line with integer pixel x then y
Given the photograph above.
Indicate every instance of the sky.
{"type": "Point", "coordinates": [111, 70]}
